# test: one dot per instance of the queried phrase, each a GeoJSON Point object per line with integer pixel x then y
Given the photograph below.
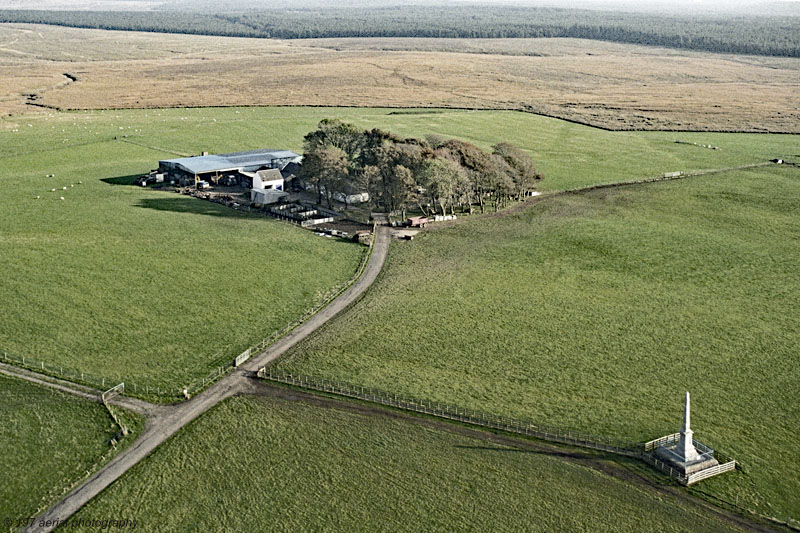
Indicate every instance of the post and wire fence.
{"type": "Point", "coordinates": [452, 412]}
{"type": "Point", "coordinates": [221, 363]}
{"type": "Point", "coordinates": [101, 383]}
{"type": "Point", "coordinates": [640, 450]}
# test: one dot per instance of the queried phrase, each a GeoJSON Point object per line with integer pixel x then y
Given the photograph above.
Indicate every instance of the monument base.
{"type": "Point", "coordinates": [669, 456]}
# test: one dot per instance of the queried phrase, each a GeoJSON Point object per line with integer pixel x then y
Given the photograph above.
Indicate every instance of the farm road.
{"type": "Point", "coordinates": [133, 404]}
{"type": "Point", "coordinates": [167, 420]}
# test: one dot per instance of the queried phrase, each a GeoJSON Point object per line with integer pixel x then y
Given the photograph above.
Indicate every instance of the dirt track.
{"type": "Point", "coordinates": [167, 420]}
{"type": "Point", "coordinates": [607, 463]}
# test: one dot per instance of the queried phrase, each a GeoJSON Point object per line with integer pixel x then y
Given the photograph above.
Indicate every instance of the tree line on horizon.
{"type": "Point", "coordinates": [434, 175]}
{"type": "Point", "coordinates": [764, 35]}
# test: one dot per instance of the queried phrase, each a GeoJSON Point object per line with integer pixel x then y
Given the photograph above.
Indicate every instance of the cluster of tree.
{"type": "Point", "coordinates": [778, 36]}
{"type": "Point", "coordinates": [435, 175]}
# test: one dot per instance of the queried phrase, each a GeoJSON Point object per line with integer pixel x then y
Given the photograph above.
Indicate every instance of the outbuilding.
{"type": "Point", "coordinates": [189, 170]}
{"type": "Point", "coordinates": [266, 196]}
{"type": "Point", "coordinates": [264, 179]}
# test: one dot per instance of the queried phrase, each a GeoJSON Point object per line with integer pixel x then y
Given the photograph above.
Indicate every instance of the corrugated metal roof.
{"type": "Point", "coordinates": [231, 161]}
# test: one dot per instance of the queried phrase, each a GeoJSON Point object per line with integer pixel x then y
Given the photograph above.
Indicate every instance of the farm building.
{"type": "Point", "coordinates": [266, 196]}
{"type": "Point", "coordinates": [290, 173]}
{"type": "Point", "coordinates": [264, 179]}
{"type": "Point", "coordinates": [190, 170]}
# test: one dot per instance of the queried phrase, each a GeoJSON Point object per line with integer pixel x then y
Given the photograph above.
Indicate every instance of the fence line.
{"type": "Point", "coordinates": [115, 391]}
{"type": "Point", "coordinates": [668, 176]}
{"type": "Point", "coordinates": [82, 378]}
{"type": "Point", "coordinates": [455, 413]}
{"type": "Point", "coordinates": [222, 364]}
{"type": "Point", "coordinates": [641, 450]}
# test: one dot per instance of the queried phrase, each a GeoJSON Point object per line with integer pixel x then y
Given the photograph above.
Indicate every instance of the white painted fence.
{"type": "Point", "coordinates": [708, 472]}
{"type": "Point", "coordinates": [242, 357]}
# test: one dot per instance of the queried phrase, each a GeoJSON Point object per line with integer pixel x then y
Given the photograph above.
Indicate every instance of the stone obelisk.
{"type": "Point", "coordinates": [685, 449]}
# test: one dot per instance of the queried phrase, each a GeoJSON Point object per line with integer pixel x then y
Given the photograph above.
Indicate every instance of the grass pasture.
{"type": "Point", "coordinates": [569, 313]}
{"type": "Point", "coordinates": [156, 289]}
{"type": "Point", "coordinates": [596, 312]}
{"type": "Point", "coordinates": [49, 440]}
{"type": "Point", "coordinates": [146, 287]}
{"type": "Point", "coordinates": [277, 465]}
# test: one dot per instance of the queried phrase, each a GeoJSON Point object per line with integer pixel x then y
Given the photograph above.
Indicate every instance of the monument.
{"type": "Point", "coordinates": [683, 454]}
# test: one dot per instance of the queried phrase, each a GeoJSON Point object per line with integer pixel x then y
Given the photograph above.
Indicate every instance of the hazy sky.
{"type": "Point", "coordinates": [781, 7]}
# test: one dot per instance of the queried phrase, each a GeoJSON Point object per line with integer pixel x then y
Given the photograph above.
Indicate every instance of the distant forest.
{"type": "Point", "coordinates": [773, 36]}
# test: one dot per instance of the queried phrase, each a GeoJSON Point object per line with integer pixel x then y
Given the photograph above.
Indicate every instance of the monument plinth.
{"type": "Point", "coordinates": [683, 454]}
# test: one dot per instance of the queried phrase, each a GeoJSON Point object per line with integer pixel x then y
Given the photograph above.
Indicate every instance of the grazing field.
{"type": "Point", "coordinates": [609, 85]}
{"type": "Point", "coordinates": [147, 287]}
{"type": "Point", "coordinates": [49, 441]}
{"type": "Point", "coordinates": [270, 464]}
{"type": "Point", "coordinates": [596, 312]}
{"type": "Point", "coordinates": [156, 289]}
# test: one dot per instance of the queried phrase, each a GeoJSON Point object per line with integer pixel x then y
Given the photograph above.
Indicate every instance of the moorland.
{"type": "Point", "coordinates": [609, 85]}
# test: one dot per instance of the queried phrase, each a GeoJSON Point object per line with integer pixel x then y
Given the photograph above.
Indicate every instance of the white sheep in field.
{"type": "Point", "coordinates": [62, 197]}
{"type": "Point", "coordinates": [64, 188]}
{"type": "Point", "coordinates": [38, 197]}
{"type": "Point", "coordinates": [52, 190]}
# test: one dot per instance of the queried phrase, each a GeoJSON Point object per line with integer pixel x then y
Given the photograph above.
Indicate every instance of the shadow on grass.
{"type": "Point", "coordinates": [178, 203]}
{"type": "Point", "coordinates": [556, 453]}
{"type": "Point", "coordinates": [121, 180]}
{"type": "Point", "coordinates": [187, 204]}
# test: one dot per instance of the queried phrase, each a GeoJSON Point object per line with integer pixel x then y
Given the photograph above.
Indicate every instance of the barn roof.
{"type": "Point", "coordinates": [271, 174]}
{"type": "Point", "coordinates": [231, 161]}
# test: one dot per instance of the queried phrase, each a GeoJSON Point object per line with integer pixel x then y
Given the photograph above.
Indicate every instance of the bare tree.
{"type": "Point", "coordinates": [520, 164]}
{"type": "Point", "coordinates": [441, 178]}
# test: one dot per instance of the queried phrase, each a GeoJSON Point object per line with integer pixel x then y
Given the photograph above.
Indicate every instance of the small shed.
{"type": "Point", "coordinates": [351, 198]}
{"type": "Point", "coordinates": [266, 196]}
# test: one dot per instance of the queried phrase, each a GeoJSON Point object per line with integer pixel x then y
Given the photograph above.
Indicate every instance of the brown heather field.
{"type": "Point", "coordinates": [603, 84]}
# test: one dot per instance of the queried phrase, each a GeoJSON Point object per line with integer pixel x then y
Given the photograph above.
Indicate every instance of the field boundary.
{"type": "Point", "coordinates": [530, 201]}
{"type": "Point", "coordinates": [525, 109]}
{"type": "Point", "coordinates": [262, 345]}
{"type": "Point", "coordinates": [79, 377]}
{"type": "Point", "coordinates": [639, 450]}
{"type": "Point", "coordinates": [156, 148]}
{"type": "Point", "coordinates": [223, 365]}
{"type": "Point", "coordinates": [668, 176]}
{"type": "Point", "coordinates": [451, 412]}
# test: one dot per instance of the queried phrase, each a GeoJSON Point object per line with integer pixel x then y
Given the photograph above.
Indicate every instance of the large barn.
{"type": "Point", "coordinates": [189, 170]}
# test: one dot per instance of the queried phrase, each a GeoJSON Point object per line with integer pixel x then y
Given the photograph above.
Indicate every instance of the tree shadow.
{"type": "Point", "coordinates": [121, 180]}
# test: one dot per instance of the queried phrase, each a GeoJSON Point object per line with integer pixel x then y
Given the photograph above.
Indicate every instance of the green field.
{"type": "Point", "coordinates": [157, 289]}
{"type": "Point", "coordinates": [266, 464]}
{"type": "Point", "coordinates": [596, 312]}
{"type": "Point", "coordinates": [593, 312]}
{"type": "Point", "coordinates": [570, 155]}
{"type": "Point", "coordinates": [142, 286]}
{"type": "Point", "coordinates": [49, 441]}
